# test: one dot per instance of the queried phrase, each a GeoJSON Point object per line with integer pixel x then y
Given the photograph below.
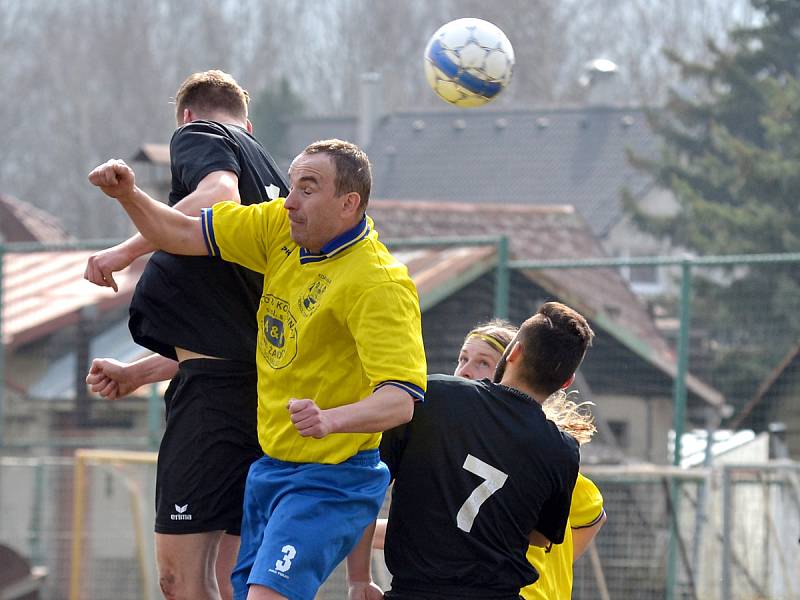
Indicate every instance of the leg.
{"type": "Point", "coordinates": [226, 560]}
{"type": "Point", "coordinates": [186, 565]}
{"type": "Point", "coordinates": [207, 448]}
{"type": "Point", "coordinates": [259, 592]}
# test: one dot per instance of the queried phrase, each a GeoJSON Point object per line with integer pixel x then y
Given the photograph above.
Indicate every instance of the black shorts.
{"type": "Point", "coordinates": [415, 594]}
{"type": "Point", "coordinates": [208, 446]}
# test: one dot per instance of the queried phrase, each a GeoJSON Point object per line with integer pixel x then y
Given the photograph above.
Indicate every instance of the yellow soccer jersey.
{"type": "Point", "coordinates": [555, 567]}
{"type": "Point", "coordinates": [333, 326]}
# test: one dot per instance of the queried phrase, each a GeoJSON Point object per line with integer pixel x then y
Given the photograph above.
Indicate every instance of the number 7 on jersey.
{"type": "Point", "coordinates": [494, 479]}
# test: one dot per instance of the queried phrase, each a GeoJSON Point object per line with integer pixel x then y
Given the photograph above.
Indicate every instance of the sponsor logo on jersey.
{"type": "Point", "coordinates": [278, 344]}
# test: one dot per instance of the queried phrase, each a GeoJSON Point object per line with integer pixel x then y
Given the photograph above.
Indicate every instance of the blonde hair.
{"type": "Point", "coordinates": [576, 419]}
{"type": "Point", "coordinates": [498, 333]}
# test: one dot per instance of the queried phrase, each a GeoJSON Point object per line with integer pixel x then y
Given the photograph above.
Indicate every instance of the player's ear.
{"type": "Point", "coordinates": [515, 352]}
{"type": "Point", "coordinates": [351, 203]}
{"type": "Point", "coordinates": [568, 382]}
{"type": "Point", "coordinates": [188, 116]}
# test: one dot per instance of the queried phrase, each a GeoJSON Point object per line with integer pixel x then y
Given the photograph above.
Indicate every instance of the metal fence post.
{"type": "Point", "coordinates": [679, 386]}
{"type": "Point", "coordinates": [727, 520]}
{"type": "Point", "coordinates": [678, 418]}
{"type": "Point", "coordinates": [502, 282]}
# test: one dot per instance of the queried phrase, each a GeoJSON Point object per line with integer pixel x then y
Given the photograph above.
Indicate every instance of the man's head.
{"type": "Point", "coordinates": [482, 349]}
{"type": "Point", "coordinates": [547, 350]}
{"type": "Point", "coordinates": [330, 185]}
{"type": "Point", "coordinates": [212, 95]}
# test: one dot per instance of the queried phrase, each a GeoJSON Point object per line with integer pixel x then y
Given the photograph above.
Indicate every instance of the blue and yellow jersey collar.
{"type": "Point", "coordinates": [338, 244]}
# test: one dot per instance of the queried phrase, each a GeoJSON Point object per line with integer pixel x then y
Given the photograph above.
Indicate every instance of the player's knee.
{"type": "Point", "coordinates": [176, 586]}
{"type": "Point", "coordinates": [169, 584]}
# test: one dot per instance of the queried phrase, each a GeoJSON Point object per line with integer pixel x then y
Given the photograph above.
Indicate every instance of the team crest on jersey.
{"type": "Point", "coordinates": [278, 344]}
{"type": "Point", "coordinates": [309, 302]}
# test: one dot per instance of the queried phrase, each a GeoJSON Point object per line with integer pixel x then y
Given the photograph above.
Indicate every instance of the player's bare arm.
{"type": "Point", "coordinates": [387, 407]}
{"type": "Point", "coordinates": [112, 379]}
{"type": "Point", "coordinates": [538, 539]}
{"type": "Point", "coordinates": [583, 536]}
{"type": "Point", "coordinates": [217, 186]}
{"type": "Point", "coordinates": [379, 538]}
{"type": "Point", "coordinates": [359, 570]}
{"type": "Point", "coordinates": [163, 226]}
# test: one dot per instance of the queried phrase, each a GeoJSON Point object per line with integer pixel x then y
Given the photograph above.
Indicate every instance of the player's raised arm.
{"type": "Point", "coordinates": [215, 187]}
{"type": "Point", "coordinates": [164, 227]}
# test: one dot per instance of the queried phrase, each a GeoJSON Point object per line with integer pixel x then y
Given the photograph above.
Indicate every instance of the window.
{"type": "Point", "coordinates": [620, 431]}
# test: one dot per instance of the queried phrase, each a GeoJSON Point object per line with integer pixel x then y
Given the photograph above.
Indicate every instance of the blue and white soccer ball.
{"type": "Point", "coordinates": [468, 62]}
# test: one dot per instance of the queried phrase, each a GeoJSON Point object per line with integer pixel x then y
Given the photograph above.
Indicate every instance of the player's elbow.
{"type": "Point", "coordinates": [224, 188]}
{"type": "Point", "coordinates": [406, 409]}
{"type": "Point", "coordinates": [184, 237]}
{"type": "Point", "coordinates": [402, 410]}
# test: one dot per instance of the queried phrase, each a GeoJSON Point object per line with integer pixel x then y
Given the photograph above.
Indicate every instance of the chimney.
{"type": "Point", "coordinates": [600, 79]}
{"type": "Point", "coordinates": [370, 107]}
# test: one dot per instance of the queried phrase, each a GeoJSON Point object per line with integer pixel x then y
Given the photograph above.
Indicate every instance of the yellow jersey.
{"type": "Point", "coordinates": [332, 326]}
{"type": "Point", "coordinates": [555, 567]}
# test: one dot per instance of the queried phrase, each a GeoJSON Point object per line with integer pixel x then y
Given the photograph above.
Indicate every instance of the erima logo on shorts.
{"type": "Point", "coordinates": [181, 516]}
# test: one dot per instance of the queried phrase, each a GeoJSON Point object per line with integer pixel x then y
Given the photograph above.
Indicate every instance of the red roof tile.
{"type": "Point", "coordinates": [23, 222]}
{"type": "Point", "coordinates": [45, 291]}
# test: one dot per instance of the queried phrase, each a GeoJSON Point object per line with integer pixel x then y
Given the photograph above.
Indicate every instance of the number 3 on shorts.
{"type": "Point", "coordinates": [494, 480]}
{"type": "Point", "coordinates": [284, 564]}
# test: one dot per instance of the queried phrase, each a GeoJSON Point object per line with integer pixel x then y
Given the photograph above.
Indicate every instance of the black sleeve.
{"type": "Point", "coordinates": [554, 515]}
{"type": "Point", "coordinates": [393, 444]}
{"type": "Point", "coordinates": [197, 149]}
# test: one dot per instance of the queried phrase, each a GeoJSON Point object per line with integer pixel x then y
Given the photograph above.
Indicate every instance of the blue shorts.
{"type": "Point", "coordinates": [302, 519]}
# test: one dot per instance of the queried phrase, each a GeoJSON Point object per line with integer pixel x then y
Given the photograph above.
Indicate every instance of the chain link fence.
{"type": "Point", "coordinates": [714, 348]}
{"type": "Point", "coordinates": [738, 530]}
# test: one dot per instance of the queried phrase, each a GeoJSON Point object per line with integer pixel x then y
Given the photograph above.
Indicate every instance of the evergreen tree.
{"type": "Point", "coordinates": [730, 156]}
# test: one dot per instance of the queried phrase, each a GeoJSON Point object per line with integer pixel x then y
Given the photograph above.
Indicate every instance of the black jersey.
{"type": "Point", "coordinates": [475, 471]}
{"type": "Point", "coordinates": [203, 304]}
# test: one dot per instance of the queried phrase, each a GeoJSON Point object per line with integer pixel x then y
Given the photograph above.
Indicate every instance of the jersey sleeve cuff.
{"type": "Point", "coordinates": [416, 392]}
{"type": "Point", "coordinates": [207, 225]}
{"type": "Point", "coordinates": [593, 522]}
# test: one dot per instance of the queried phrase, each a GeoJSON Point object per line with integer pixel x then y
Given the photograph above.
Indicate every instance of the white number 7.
{"type": "Point", "coordinates": [495, 479]}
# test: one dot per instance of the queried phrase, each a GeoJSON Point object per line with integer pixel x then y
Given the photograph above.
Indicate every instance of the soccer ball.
{"type": "Point", "coordinates": [468, 62]}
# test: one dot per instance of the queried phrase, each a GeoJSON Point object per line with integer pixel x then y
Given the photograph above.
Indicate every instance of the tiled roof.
{"type": "Point", "coordinates": [23, 222]}
{"type": "Point", "coordinates": [756, 410]}
{"type": "Point", "coordinates": [45, 291]}
{"type": "Point", "coordinates": [436, 270]}
{"type": "Point", "coordinates": [153, 153]}
{"type": "Point", "coordinates": [544, 233]}
{"type": "Point", "coordinates": [534, 232]}
{"type": "Point", "coordinates": [575, 156]}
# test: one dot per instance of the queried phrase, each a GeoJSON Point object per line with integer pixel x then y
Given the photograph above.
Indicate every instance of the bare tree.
{"type": "Point", "coordinates": [88, 79]}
